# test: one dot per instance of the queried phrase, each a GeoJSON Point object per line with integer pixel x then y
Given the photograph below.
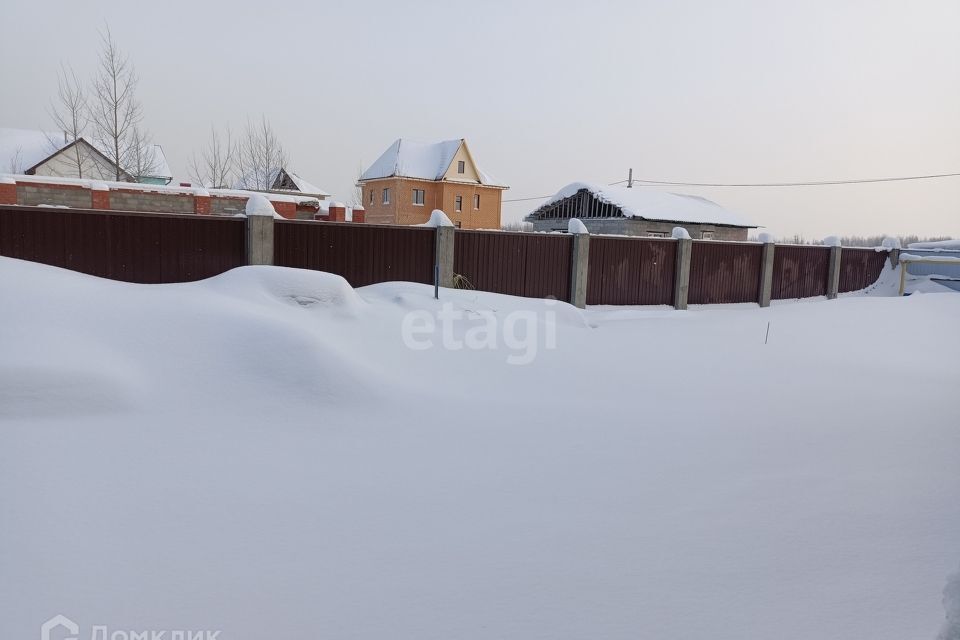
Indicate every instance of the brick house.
{"type": "Point", "coordinates": [411, 179]}
{"type": "Point", "coordinates": [638, 211]}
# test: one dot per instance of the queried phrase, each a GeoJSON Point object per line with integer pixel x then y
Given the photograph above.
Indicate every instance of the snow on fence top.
{"type": "Point", "coordinates": [655, 205]}
{"type": "Point", "coordinates": [423, 160]}
{"type": "Point", "coordinates": [101, 185]}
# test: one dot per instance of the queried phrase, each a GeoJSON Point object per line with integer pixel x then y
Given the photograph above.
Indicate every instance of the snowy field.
{"type": "Point", "coordinates": [272, 454]}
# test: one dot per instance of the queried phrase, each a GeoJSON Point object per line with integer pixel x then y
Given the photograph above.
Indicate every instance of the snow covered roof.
{"type": "Point", "coordinates": [27, 147]}
{"type": "Point", "coordinates": [301, 185]}
{"type": "Point", "coordinates": [30, 147]}
{"type": "Point", "coordinates": [161, 168]}
{"type": "Point", "coordinates": [407, 158]}
{"type": "Point", "coordinates": [653, 205]}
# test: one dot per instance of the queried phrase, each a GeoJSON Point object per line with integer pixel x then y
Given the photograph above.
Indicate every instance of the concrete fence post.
{"type": "Point", "coordinates": [259, 239]}
{"type": "Point", "coordinates": [833, 273]}
{"type": "Point", "coordinates": [579, 263]}
{"type": "Point", "coordinates": [444, 255]}
{"type": "Point", "coordinates": [681, 278]}
{"type": "Point", "coordinates": [894, 258]}
{"type": "Point", "coordinates": [766, 274]}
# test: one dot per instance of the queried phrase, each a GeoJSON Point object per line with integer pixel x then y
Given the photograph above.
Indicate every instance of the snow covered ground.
{"type": "Point", "coordinates": [272, 454]}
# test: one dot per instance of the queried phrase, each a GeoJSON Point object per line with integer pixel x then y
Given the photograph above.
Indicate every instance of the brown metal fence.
{"type": "Point", "coordinates": [859, 268]}
{"type": "Point", "coordinates": [160, 247]}
{"type": "Point", "coordinates": [362, 254]}
{"type": "Point", "coordinates": [520, 264]}
{"type": "Point", "coordinates": [631, 271]}
{"type": "Point", "coordinates": [723, 272]}
{"type": "Point", "coordinates": [133, 247]}
{"type": "Point", "coordinates": [800, 271]}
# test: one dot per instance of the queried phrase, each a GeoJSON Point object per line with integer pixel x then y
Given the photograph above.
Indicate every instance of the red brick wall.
{"type": "Point", "coordinates": [8, 194]}
{"type": "Point", "coordinates": [100, 199]}
{"type": "Point", "coordinates": [201, 205]}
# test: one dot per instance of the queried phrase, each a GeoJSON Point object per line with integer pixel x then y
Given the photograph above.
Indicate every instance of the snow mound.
{"type": "Point", "coordinates": [679, 233]}
{"type": "Point", "coordinates": [258, 205]}
{"type": "Point", "coordinates": [890, 243]}
{"type": "Point", "coordinates": [939, 245]}
{"type": "Point", "coordinates": [437, 219]}
{"type": "Point", "coordinates": [576, 227]}
{"type": "Point", "coordinates": [831, 241]}
{"type": "Point", "coordinates": [951, 605]}
{"type": "Point", "coordinates": [301, 287]}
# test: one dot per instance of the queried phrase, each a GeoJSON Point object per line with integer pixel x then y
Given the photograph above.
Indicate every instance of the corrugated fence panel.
{"type": "Point", "coordinates": [631, 271]}
{"type": "Point", "coordinates": [800, 271]}
{"type": "Point", "coordinates": [520, 264]}
{"type": "Point", "coordinates": [859, 268]}
{"type": "Point", "coordinates": [133, 247]}
{"type": "Point", "coordinates": [723, 272]}
{"type": "Point", "coordinates": [362, 254]}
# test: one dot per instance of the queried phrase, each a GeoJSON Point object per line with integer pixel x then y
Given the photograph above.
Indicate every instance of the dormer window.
{"type": "Point", "coordinates": [461, 166]}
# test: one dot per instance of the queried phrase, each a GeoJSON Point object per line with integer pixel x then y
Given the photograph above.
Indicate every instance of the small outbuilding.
{"type": "Point", "coordinates": [638, 211]}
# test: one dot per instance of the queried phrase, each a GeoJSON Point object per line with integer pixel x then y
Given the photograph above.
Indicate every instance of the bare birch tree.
{"type": "Point", "coordinates": [115, 113]}
{"type": "Point", "coordinates": [71, 114]}
{"type": "Point", "coordinates": [16, 161]}
{"type": "Point", "coordinates": [358, 189]}
{"type": "Point", "coordinates": [259, 156]}
{"type": "Point", "coordinates": [215, 165]}
{"type": "Point", "coordinates": [140, 159]}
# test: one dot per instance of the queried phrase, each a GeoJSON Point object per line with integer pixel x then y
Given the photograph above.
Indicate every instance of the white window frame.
{"type": "Point", "coordinates": [371, 196]}
{"type": "Point", "coordinates": [706, 235]}
{"type": "Point", "coordinates": [461, 166]}
{"type": "Point", "coordinates": [458, 203]}
{"type": "Point", "coordinates": [386, 195]}
{"type": "Point", "coordinates": [656, 234]}
{"type": "Point", "coordinates": [476, 202]}
{"type": "Point", "coordinates": [422, 197]}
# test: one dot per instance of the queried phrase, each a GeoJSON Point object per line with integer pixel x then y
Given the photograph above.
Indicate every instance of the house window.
{"type": "Point", "coordinates": [458, 224]}
{"type": "Point", "coordinates": [386, 196]}
{"type": "Point", "coordinates": [371, 196]}
{"type": "Point", "coordinates": [476, 201]}
{"type": "Point", "coordinates": [418, 197]}
{"type": "Point", "coordinates": [657, 234]}
{"type": "Point", "coordinates": [461, 166]}
{"type": "Point", "coordinates": [706, 235]}
{"type": "Point", "coordinates": [458, 206]}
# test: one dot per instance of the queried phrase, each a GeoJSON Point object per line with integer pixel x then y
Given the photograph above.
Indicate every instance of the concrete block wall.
{"type": "Point", "coordinates": [122, 200]}
{"type": "Point", "coordinates": [21, 190]}
{"type": "Point", "coordinates": [223, 206]}
{"type": "Point", "coordinates": [34, 194]}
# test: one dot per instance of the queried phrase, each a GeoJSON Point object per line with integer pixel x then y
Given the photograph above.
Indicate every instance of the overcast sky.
{"type": "Point", "coordinates": [547, 93]}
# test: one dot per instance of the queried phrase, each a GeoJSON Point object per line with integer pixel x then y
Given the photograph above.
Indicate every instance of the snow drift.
{"type": "Point", "coordinates": [261, 453]}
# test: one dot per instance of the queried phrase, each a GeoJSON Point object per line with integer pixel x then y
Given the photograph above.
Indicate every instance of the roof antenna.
{"type": "Point", "coordinates": [630, 179]}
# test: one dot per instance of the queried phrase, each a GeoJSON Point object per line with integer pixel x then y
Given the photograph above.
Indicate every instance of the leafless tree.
{"type": "Point", "coordinates": [115, 112]}
{"type": "Point", "coordinates": [215, 165]}
{"type": "Point", "coordinates": [16, 162]}
{"type": "Point", "coordinates": [358, 189]}
{"type": "Point", "coordinates": [70, 113]}
{"type": "Point", "coordinates": [140, 159]}
{"type": "Point", "coordinates": [259, 156]}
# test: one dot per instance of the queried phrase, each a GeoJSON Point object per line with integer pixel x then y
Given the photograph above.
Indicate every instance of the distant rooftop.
{"type": "Point", "coordinates": [407, 158]}
{"type": "Point", "coordinates": [29, 147]}
{"type": "Point", "coordinates": [642, 202]}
